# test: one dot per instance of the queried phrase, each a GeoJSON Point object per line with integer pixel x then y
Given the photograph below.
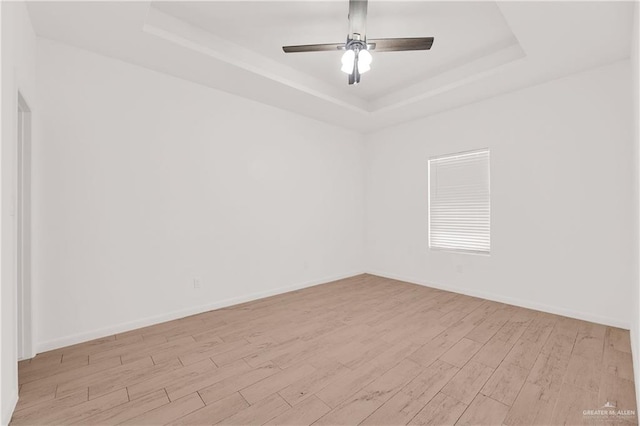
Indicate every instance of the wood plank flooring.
{"type": "Point", "coordinates": [364, 350]}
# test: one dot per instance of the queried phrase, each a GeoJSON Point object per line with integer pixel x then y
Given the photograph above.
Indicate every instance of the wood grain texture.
{"type": "Point", "coordinates": [483, 411]}
{"type": "Point", "coordinates": [364, 350]}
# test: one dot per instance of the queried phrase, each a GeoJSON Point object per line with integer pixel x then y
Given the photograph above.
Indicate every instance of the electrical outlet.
{"type": "Point", "coordinates": [196, 283]}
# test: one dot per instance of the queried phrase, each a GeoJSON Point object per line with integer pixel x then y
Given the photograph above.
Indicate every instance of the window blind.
{"type": "Point", "coordinates": [460, 202]}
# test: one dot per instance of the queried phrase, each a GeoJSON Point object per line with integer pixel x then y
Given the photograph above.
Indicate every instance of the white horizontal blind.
{"type": "Point", "coordinates": [460, 202]}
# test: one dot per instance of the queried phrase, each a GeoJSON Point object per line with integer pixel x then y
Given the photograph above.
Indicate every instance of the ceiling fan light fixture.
{"type": "Point", "coordinates": [348, 60]}
{"type": "Point", "coordinates": [357, 57]}
{"type": "Point", "coordinates": [364, 61]}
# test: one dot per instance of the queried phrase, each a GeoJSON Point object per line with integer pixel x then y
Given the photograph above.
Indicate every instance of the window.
{"type": "Point", "coordinates": [460, 202]}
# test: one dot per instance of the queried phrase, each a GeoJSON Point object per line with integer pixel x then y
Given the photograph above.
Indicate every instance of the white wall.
{"type": "Point", "coordinates": [18, 74]}
{"type": "Point", "coordinates": [635, 93]}
{"type": "Point", "coordinates": [562, 197]}
{"type": "Point", "coordinates": [143, 181]}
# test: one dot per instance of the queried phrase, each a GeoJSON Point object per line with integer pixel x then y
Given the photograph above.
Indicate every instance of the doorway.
{"type": "Point", "coordinates": [22, 214]}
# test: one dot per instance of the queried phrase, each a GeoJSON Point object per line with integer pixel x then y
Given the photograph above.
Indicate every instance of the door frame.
{"type": "Point", "coordinates": [22, 221]}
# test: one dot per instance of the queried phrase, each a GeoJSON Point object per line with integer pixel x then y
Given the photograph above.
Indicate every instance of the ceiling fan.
{"type": "Point", "coordinates": [357, 58]}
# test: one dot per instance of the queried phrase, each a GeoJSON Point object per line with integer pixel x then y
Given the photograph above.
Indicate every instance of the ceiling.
{"type": "Point", "coordinates": [481, 49]}
{"type": "Point", "coordinates": [464, 30]}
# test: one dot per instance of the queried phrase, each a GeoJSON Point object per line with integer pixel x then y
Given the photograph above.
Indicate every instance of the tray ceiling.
{"type": "Point", "coordinates": [481, 49]}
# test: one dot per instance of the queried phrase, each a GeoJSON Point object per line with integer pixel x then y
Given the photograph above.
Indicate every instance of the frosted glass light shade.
{"type": "Point", "coordinates": [364, 61]}
{"type": "Point", "coordinates": [348, 60]}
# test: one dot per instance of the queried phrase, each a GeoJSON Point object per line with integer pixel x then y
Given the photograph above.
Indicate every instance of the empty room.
{"type": "Point", "coordinates": [309, 212]}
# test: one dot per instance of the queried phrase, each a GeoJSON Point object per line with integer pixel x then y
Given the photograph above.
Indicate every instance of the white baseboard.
{"type": "Point", "coordinates": [7, 411]}
{"type": "Point", "coordinates": [585, 316]}
{"type": "Point", "coordinates": [144, 322]}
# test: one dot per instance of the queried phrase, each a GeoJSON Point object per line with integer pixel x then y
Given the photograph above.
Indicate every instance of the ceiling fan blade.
{"type": "Point", "coordinates": [399, 44]}
{"type": "Point", "coordinates": [358, 18]}
{"type": "Point", "coordinates": [327, 47]}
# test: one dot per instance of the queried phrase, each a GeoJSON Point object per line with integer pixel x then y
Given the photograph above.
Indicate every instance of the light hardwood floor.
{"type": "Point", "coordinates": [364, 350]}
